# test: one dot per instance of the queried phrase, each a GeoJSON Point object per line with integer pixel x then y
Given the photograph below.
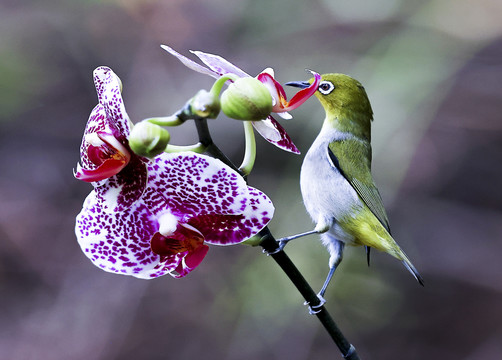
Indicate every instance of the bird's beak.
{"type": "Point", "coordinates": [299, 84]}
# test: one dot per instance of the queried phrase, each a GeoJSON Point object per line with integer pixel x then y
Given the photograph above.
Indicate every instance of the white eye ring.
{"type": "Point", "coordinates": [325, 87]}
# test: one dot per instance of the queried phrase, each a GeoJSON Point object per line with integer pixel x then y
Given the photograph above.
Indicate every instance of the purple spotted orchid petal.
{"type": "Point", "coordinates": [108, 88]}
{"type": "Point", "coordinates": [232, 229]}
{"type": "Point", "coordinates": [120, 242]}
{"type": "Point", "coordinates": [275, 134]}
{"type": "Point", "coordinates": [189, 200]}
{"type": "Point", "coordinates": [107, 161]}
{"type": "Point", "coordinates": [125, 188]}
{"type": "Point", "coordinates": [194, 184]}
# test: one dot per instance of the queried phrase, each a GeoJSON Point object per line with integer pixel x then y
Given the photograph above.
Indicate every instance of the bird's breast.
{"type": "Point", "coordinates": [326, 193]}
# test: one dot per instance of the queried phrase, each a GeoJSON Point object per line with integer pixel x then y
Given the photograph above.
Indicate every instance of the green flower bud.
{"type": "Point", "coordinates": [205, 104]}
{"type": "Point", "coordinates": [147, 139]}
{"type": "Point", "coordinates": [246, 99]}
{"type": "Point", "coordinates": [253, 241]}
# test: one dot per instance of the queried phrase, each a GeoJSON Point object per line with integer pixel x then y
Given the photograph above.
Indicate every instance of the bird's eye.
{"type": "Point", "coordinates": [325, 87]}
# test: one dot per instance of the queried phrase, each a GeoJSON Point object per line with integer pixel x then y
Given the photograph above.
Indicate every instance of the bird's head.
{"type": "Point", "coordinates": [343, 98]}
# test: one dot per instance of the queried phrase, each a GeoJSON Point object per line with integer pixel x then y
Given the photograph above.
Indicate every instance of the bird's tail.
{"type": "Point", "coordinates": [386, 243]}
{"type": "Point", "coordinates": [398, 253]}
{"type": "Point", "coordinates": [408, 265]}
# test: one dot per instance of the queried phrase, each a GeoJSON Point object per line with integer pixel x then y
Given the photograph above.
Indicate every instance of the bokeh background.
{"type": "Point", "coordinates": [433, 71]}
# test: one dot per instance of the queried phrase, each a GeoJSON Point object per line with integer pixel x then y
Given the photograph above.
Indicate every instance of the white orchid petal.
{"type": "Point", "coordinates": [189, 63]}
{"type": "Point", "coordinates": [219, 64]}
{"type": "Point", "coordinates": [285, 115]}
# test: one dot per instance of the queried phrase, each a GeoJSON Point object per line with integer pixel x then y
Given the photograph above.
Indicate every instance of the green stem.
{"type": "Point", "coordinates": [218, 84]}
{"type": "Point", "coordinates": [250, 152]}
{"type": "Point", "coordinates": [172, 120]}
{"type": "Point", "coordinates": [186, 112]}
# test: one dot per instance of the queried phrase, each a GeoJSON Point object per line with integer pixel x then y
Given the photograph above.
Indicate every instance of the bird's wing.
{"type": "Point", "coordinates": [352, 158]}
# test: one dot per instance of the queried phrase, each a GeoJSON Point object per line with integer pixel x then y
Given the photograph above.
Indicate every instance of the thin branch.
{"type": "Point", "coordinates": [250, 153]}
{"type": "Point", "coordinates": [270, 245]}
{"type": "Point", "coordinates": [211, 148]}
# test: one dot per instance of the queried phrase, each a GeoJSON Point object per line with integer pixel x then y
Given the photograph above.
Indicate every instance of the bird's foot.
{"type": "Point", "coordinates": [316, 309]}
{"type": "Point", "coordinates": [283, 241]}
{"type": "Point", "coordinates": [282, 244]}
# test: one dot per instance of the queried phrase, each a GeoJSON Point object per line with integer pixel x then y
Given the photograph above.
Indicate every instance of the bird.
{"type": "Point", "coordinates": [337, 187]}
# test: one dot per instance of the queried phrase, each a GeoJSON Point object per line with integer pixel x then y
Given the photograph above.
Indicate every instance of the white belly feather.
{"type": "Point", "coordinates": [327, 195]}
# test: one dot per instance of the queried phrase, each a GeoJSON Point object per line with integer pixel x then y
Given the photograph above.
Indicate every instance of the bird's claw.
{"type": "Point", "coordinates": [281, 246]}
{"type": "Point", "coordinates": [312, 311]}
{"type": "Point", "coordinates": [316, 309]}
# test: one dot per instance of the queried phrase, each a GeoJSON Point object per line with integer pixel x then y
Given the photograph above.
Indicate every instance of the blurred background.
{"type": "Point", "coordinates": [433, 71]}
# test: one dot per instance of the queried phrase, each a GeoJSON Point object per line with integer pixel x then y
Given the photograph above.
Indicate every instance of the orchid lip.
{"type": "Point", "coordinates": [112, 140]}
{"type": "Point", "coordinates": [109, 167]}
{"type": "Point", "coordinates": [106, 170]}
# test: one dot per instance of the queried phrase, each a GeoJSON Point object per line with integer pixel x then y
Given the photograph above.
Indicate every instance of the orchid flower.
{"type": "Point", "coordinates": [148, 218]}
{"type": "Point", "coordinates": [269, 128]}
{"type": "Point", "coordinates": [106, 158]}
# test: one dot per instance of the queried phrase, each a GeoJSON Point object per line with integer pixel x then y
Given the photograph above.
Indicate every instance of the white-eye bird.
{"type": "Point", "coordinates": [336, 183]}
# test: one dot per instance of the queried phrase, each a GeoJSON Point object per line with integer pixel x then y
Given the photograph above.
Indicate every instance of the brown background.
{"type": "Point", "coordinates": [433, 71]}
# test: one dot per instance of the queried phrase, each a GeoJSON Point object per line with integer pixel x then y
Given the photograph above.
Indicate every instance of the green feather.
{"type": "Point", "coordinates": [352, 157]}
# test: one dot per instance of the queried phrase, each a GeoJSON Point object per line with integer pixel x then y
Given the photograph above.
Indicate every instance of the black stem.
{"type": "Point", "coordinates": [270, 245]}
{"type": "Point", "coordinates": [206, 140]}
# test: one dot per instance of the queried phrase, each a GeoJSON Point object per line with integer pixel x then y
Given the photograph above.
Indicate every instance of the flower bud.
{"type": "Point", "coordinates": [205, 104]}
{"type": "Point", "coordinates": [148, 139]}
{"type": "Point", "coordinates": [246, 99]}
{"type": "Point", "coordinates": [253, 241]}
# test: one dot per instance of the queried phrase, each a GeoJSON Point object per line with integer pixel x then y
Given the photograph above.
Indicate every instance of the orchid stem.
{"type": "Point", "coordinates": [250, 152]}
{"type": "Point", "coordinates": [270, 245]}
{"type": "Point", "coordinates": [218, 84]}
{"type": "Point", "coordinates": [211, 149]}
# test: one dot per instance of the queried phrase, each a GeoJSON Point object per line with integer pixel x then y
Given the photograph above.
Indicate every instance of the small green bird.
{"type": "Point", "coordinates": [336, 183]}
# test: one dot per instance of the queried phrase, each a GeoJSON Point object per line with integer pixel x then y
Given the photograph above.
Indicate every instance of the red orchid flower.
{"type": "Point", "coordinates": [269, 128]}
{"type": "Point", "coordinates": [281, 105]}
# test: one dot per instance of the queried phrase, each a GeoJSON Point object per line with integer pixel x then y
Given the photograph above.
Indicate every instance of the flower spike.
{"type": "Point", "coordinates": [151, 217]}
